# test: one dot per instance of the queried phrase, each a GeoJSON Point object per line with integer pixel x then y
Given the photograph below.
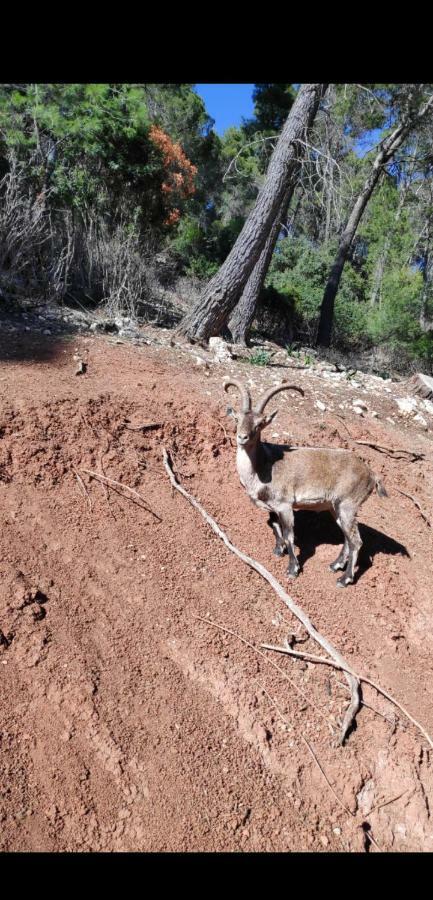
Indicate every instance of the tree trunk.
{"type": "Point", "coordinates": [386, 152]}
{"type": "Point", "coordinates": [224, 289]}
{"type": "Point", "coordinates": [243, 314]}
{"type": "Point", "coordinates": [425, 322]}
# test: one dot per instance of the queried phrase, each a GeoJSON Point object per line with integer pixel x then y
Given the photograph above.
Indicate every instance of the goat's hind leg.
{"type": "Point", "coordinates": [287, 520]}
{"type": "Point", "coordinates": [274, 523]}
{"type": "Point", "coordinates": [341, 561]}
{"type": "Point", "coordinates": [347, 523]}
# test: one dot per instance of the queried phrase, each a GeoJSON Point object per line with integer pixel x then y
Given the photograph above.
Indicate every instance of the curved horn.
{"type": "Point", "coordinates": [282, 387]}
{"type": "Point", "coordinates": [244, 392]}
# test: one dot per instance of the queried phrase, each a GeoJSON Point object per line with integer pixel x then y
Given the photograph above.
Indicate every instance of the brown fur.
{"type": "Point", "coordinates": [282, 479]}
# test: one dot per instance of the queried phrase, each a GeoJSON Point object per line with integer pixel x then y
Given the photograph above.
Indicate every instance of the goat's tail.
{"type": "Point", "coordinates": [379, 487]}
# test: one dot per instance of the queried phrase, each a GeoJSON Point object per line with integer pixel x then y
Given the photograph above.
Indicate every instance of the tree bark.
{"type": "Point", "coordinates": [243, 314]}
{"type": "Point", "coordinates": [425, 322]}
{"type": "Point", "coordinates": [388, 148]}
{"type": "Point", "coordinates": [225, 288]}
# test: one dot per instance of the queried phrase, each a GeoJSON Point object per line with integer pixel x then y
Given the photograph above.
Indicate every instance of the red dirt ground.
{"type": "Point", "coordinates": [128, 724]}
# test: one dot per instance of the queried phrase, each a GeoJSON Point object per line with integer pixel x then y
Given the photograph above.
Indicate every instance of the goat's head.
{"type": "Point", "coordinates": [250, 420]}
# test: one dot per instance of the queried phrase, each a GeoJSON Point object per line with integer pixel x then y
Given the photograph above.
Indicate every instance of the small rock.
{"type": "Point", "coordinates": [220, 349]}
{"type": "Point", "coordinates": [419, 418]}
{"type": "Point", "coordinates": [361, 404]}
{"type": "Point", "coordinates": [358, 410]}
{"type": "Point", "coordinates": [201, 362]}
{"type": "Point", "coordinates": [406, 405]}
{"type": "Point", "coordinates": [81, 368]}
{"type": "Point", "coordinates": [320, 405]}
{"type": "Point", "coordinates": [46, 331]}
{"type": "Point", "coordinates": [374, 414]}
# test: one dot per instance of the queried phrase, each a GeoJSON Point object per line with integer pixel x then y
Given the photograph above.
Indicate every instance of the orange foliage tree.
{"type": "Point", "coordinates": [179, 173]}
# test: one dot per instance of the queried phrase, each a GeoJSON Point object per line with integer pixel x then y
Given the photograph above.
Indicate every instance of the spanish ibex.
{"type": "Point", "coordinates": [282, 479]}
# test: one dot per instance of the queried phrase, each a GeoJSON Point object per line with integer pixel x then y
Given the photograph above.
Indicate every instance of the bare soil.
{"type": "Point", "coordinates": [128, 724]}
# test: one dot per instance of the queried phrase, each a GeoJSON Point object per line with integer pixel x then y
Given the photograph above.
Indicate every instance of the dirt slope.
{"type": "Point", "coordinates": [128, 724]}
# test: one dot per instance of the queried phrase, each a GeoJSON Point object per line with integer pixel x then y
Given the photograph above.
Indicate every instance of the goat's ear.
{"type": "Point", "coordinates": [230, 412]}
{"type": "Point", "coordinates": [266, 420]}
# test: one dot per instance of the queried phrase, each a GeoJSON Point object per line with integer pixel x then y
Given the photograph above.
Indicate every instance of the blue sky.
{"type": "Point", "coordinates": [227, 103]}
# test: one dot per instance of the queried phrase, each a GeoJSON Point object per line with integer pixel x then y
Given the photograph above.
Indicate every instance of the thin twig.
{"type": "Point", "coordinates": [364, 678]}
{"type": "Point", "coordinates": [392, 451]}
{"type": "Point", "coordinates": [266, 658]}
{"type": "Point", "coordinates": [415, 501]}
{"type": "Point", "coordinates": [124, 487]}
{"type": "Point", "coordinates": [387, 802]}
{"type": "Point", "coordinates": [142, 427]}
{"type": "Point", "coordinates": [83, 487]}
{"type": "Point", "coordinates": [308, 745]}
{"type": "Point", "coordinates": [321, 769]}
{"type": "Point", "coordinates": [351, 677]}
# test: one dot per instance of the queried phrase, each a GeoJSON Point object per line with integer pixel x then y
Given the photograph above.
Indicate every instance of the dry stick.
{"type": "Point", "coordinates": [142, 427]}
{"type": "Point", "coordinates": [415, 501]}
{"type": "Point", "coordinates": [373, 709]}
{"type": "Point", "coordinates": [330, 662]}
{"type": "Point", "coordinates": [83, 486]}
{"type": "Point", "coordinates": [125, 487]}
{"type": "Point", "coordinates": [351, 676]}
{"type": "Point", "coordinates": [391, 451]}
{"type": "Point", "coordinates": [319, 766]}
{"type": "Point", "coordinates": [266, 658]}
{"type": "Point", "coordinates": [284, 719]}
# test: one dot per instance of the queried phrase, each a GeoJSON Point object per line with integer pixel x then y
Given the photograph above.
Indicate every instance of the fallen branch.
{"type": "Point", "coordinates": [142, 427]}
{"type": "Point", "coordinates": [363, 678]}
{"type": "Point", "coordinates": [351, 676]}
{"type": "Point", "coordinates": [391, 451]}
{"type": "Point", "coordinates": [104, 479]}
{"type": "Point", "coordinates": [266, 658]}
{"type": "Point", "coordinates": [415, 501]}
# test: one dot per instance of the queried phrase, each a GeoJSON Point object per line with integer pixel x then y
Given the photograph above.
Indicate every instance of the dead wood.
{"type": "Point", "coordinates": [363, 678]}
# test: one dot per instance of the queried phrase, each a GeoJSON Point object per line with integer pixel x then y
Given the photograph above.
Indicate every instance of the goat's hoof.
{"type": "Point", "coordinates": [344, 581]}
{"type": "Point", "coordinates": [279, 551]}
{"type": "Point", "coordinates": [292, 573]}
{"type": "Point", "coordinates": [336, 566]}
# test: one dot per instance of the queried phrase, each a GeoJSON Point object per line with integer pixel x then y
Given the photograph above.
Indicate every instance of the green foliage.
{"type": "Point", "coordinates": [260, 358]}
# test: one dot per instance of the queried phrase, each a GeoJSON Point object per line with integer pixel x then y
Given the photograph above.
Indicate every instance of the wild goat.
{"type": "Point", "coordinates": [283, 479]}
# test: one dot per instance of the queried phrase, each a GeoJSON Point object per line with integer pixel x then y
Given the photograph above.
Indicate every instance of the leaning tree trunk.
{"type": "Point", "coordinates": [243, 314]}
{"type": "Point", "coordinates": [388, 148]}
{"type": "Point", "coordinates": [224, 289]}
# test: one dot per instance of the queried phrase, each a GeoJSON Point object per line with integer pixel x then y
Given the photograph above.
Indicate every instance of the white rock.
{"type": "Point", "coordinates": [358, 410]}
{"type": "Point", "coordinates": [428, 405]}
{"type": "Point", "coordinates": [220, 349]}
{"type": "Point", "coordinates": [374, 414]}
{"type": "Point", "coordinates": [361, 404]}
{"type": "Point", "coordinates": [320, 405]}
{"type": "Point", "coordinates": [419, 418]}
{"type": "Point", "coordinates": [406, 405]}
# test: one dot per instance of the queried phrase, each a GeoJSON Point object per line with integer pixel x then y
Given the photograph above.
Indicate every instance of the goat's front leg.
{"type": "Point", "coordinates": [273, 522]}
{"type": "Point", "coordinates": [287, 520]}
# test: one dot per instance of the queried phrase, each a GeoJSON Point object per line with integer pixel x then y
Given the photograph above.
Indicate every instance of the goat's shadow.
{"type": "Point", "coordinates": [313, 529]}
